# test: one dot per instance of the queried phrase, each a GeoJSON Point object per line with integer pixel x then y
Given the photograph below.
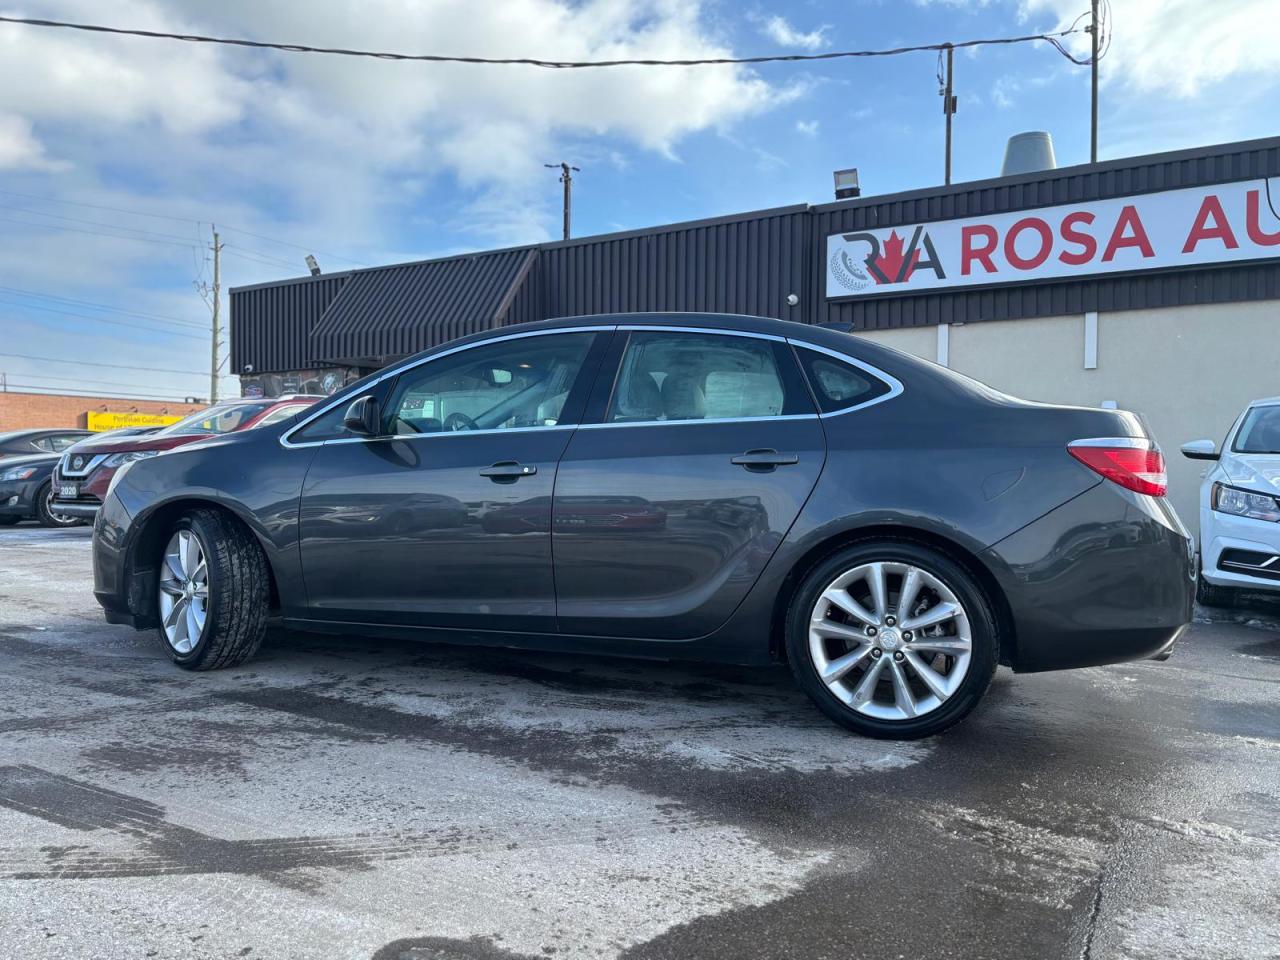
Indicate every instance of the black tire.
{"type": "Point", "coordinates": [8, 521]}
{"type": "Point", "coordinates": [239, 597]}
{"type": "Point", "coordinates": [1208, 595]}
{"type": "Point", "coordinates": [46, 517]}
{"type": "Point", "coordinates": [982, 628]}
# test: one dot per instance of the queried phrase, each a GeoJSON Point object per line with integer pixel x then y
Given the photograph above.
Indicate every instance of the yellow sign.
{"type": "Point", "coordinates": [106, 420]}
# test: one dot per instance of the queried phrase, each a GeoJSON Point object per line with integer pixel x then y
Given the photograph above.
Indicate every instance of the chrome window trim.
{"type": "Point", "coordinates": [895, 385]}
{"type": "Point", "coordinates": [406, 365]}
{"type": "Point", "coordinates": [703, 330]}
{"type": "Point", "coordinates": [678, 423]}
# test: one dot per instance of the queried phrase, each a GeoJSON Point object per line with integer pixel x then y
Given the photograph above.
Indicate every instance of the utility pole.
{"type": "Point", "coordinates": [567, 179]}
{"type": "Point", "coordinates": [1093, 64]}
{"type": "Point", "coordinates": [217, 315]}
{"type": "Point", "coordinates": [949, 104]}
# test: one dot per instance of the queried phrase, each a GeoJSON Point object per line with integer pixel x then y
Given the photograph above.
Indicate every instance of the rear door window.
{"type": "Point", "coordinates": [669, 376]}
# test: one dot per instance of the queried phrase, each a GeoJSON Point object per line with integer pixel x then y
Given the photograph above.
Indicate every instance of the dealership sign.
{"type": "Point", "coordinates": [1174, 228]}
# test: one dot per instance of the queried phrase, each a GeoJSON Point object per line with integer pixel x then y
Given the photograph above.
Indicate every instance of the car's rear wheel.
{"type": "Point", "coordinates": [892, 639]}
{"type": "Point", "coordinates": [212, 592]}
{"type": "Point", "coordinates": [47, 514]}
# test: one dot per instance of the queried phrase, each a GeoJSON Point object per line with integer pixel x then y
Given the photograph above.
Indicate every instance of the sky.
{"type": "Point", "coordinates": [118, 154]}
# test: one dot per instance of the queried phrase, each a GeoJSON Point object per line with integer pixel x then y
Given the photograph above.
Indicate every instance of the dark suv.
{"type": "Point", "coordinates": [31, 443]}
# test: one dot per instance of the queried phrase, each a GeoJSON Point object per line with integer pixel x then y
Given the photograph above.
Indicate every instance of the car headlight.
{"type": "Point", "coordinates": [120, 459]}
{"type": "Point", "coordinates": [1243, 503]}
{"type": "Point", "coordinates": [19, 473]}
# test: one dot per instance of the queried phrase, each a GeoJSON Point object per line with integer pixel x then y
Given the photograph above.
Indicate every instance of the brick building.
{"type": "Point", "coordinates": [20, 411]}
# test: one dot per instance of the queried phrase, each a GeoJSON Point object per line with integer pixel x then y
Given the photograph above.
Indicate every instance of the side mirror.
{"type": "Point", "coordinates": [362, 417]}
{"type": "Point", "coordinates": [1200, 450]}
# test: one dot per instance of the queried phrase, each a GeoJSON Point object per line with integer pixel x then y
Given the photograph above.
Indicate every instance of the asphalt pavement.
{"type": "Point", "coordinates": [356, 798]}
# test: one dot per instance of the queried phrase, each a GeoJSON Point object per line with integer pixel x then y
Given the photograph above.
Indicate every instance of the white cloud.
{"type": "Point", "coordinates": [808, 128]}
{"type": "Point", "coordinates": [331, 149]}
{"type": "Point", "coordinates": [1177, 46]}
{"type": "Point", "coordinates": [19, 148]}
{"type": "Point", "coordinates": [780, 31]}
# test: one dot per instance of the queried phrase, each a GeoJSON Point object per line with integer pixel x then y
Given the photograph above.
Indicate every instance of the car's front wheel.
{"type": "Point", "coordinates": [892, 639]}
{"type": "Point", "coordinates": [47, 514]}
{"type": "Point", "coordinates": [212, 592]}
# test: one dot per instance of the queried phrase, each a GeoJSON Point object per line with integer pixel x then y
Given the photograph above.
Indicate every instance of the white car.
{"type": "Point", "coordinates": [1240, 506]}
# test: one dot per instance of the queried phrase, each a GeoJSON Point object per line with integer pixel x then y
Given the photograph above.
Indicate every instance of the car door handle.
{"type": "Point", "coordinates": [508, 471]}
{"type": "Point", "coordinates": [764, 460]}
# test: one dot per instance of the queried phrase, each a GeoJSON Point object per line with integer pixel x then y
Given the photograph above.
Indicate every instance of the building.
{"type": "Point", "coordinates": [1151, 283]}
{"type": "Point", "coordinates": [21, 411]}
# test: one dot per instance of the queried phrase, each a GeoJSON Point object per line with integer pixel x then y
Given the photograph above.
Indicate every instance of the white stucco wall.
{"type": "Point", "coordinates": [1188, 370]}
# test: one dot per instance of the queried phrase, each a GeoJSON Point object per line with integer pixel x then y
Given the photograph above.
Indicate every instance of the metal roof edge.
{"type": "Point", "coordinates": [968, 186]}
{"type": "Point", "coordinates": [1045, 176]}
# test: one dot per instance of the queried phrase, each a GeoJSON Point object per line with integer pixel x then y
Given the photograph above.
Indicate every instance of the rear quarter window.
{"type": "Point", "coordinates": [836, 384]}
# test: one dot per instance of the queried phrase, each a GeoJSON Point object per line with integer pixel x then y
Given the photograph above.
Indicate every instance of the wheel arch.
{"type": "Point", "coordinates": [966, 557]}
{"type": "Point", "coordinates": [152, 534]}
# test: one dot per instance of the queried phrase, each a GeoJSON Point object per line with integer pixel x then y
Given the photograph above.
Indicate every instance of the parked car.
{"type": "Point", "coordinates": [26, 492]}
{"type": "Point", "coordinates": [1240, 506]}
{"type": "Point", "coordinates": [30, 443]}
{"type": "Point", "coordinates": [895, 529]}
{"type": "Point", "coordinates": [84, 472]}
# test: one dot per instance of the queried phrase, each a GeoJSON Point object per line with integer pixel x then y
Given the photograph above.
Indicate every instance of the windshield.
{"type": "Point", "coordinates": [1260, 432]}
{"type": "Point", "coordinates": [221, 418]}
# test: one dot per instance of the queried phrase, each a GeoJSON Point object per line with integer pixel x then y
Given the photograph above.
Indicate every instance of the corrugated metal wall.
{"type": "Point", "coordinates": [397, 311]}
{"type": "Point", "coordinates": [271, 325]}
{"type": "Point", "coordinates": [747, 263]}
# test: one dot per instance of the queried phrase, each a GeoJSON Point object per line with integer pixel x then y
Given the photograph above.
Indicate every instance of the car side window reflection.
{"type": "Point", "coordinates": [667, 376]}
{"type": "Point", "coordinates": [510, 384]}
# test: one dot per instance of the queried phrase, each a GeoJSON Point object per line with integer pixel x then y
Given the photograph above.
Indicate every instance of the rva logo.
{"type": "Point", "coordinates": [887, 264]}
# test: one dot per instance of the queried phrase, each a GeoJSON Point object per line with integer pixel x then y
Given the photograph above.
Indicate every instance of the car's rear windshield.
{"type": "Point", "coordinates": [1260, 432]}
{"type": "Point", "coordinates": [221, 418]}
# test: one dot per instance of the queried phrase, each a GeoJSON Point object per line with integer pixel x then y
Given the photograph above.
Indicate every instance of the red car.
{"type": "Point", "coordinates": [81, 478]}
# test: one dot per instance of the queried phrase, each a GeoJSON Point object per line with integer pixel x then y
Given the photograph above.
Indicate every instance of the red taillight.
{"type": "Point", "coordinates": [1135, 464]}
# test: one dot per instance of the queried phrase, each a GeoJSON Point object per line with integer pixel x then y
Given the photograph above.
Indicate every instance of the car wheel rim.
{"type": "Point", "coordinates": [184, 591]}
{"type": "Point", "coordinates": [890, 640]}
{"type": "Point", "coordinates": [54, 514]}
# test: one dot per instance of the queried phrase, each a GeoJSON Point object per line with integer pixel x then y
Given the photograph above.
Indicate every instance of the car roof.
{"type": "Point", "coordinates": [1265, 402]}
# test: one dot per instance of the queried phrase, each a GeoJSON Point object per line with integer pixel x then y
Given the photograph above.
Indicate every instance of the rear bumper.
{"type": "Point", "coordinates": [1104, 578]}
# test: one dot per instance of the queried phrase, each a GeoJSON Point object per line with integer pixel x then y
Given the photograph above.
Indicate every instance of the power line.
{"type": "Point", "coordinates": [95, 223]}
{"type": "Point", "coordinates": [98, 306]}
{"type": "Point", "coordinates": [162, 216]}
{"type": "Point", "coordinates": [45, 376]}
{"type": "Point", "coordinates": [1051, 38]}
{"type": "Point", "coordinates": [297, 246]}
{"type": "Point", "coordinates": [106, 395]}
{"type": "Point", "coordinates": [269, 263]}
{"type": "Point", "coordinates": [99, 206]}
{"type": "Point", "coordinates": [117, 323]}
{"type": "Point", "coordinates": [88, 316]}
{"type": "Point", "coordinates": [97, 233]}
{"type": "Point", "coordinates": [116, 366]}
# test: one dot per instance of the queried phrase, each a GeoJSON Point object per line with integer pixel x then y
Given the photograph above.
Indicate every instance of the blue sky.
{"type": "Point", "coordinates": [372, 162]}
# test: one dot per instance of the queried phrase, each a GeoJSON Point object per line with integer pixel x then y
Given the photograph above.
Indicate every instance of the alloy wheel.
{"type": "Point", "coordinates": [891, 640]}
{"type": "Point", "coordinates": [59, 518]}
{"type": "Point", "coordinates": [184, 591]}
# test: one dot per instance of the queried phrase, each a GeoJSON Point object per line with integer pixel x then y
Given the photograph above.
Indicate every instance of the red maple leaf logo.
{"type": "Point", "coordinates": [890, 261]}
